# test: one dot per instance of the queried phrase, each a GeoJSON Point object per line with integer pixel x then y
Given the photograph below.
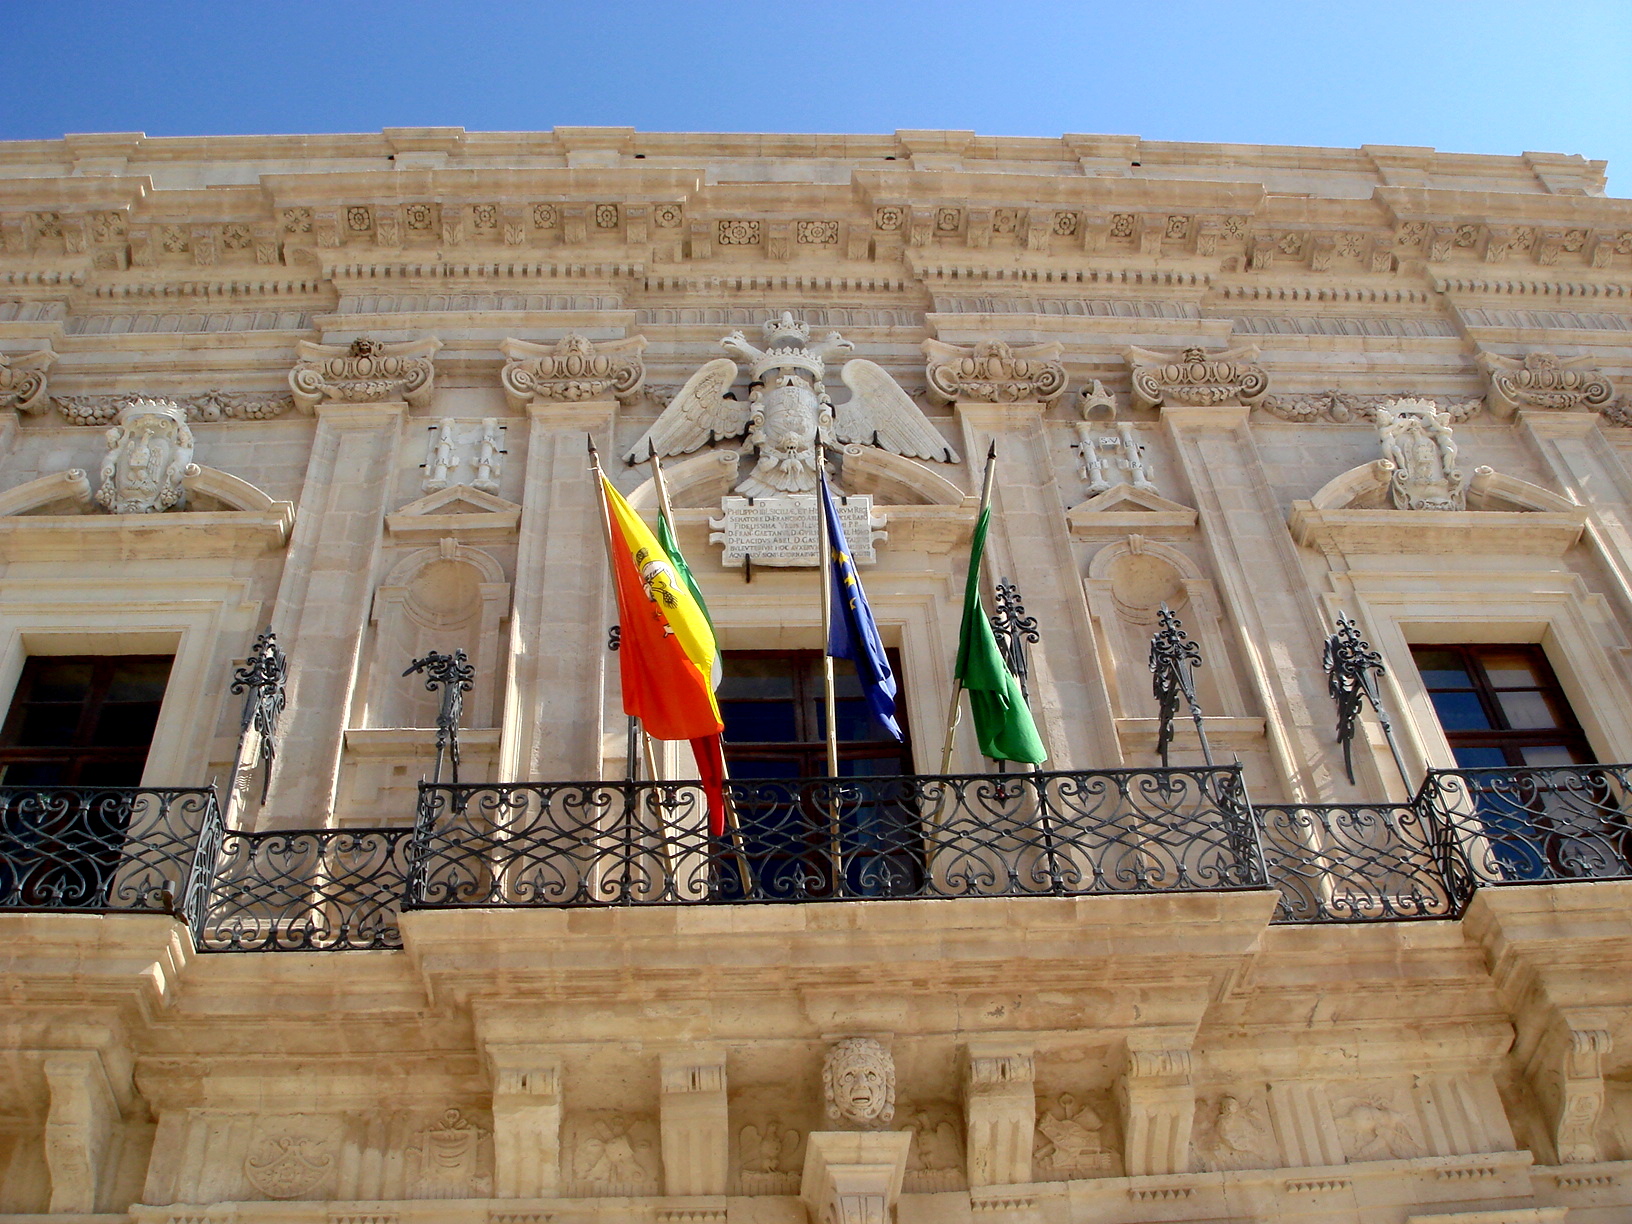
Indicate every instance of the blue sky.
{"type": "Point", "coordinates": [1458, 75]}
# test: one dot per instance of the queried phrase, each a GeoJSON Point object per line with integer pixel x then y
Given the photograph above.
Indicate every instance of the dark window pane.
{"type": "Point", "coordinates": [759, 722]}
{"type": "Point", "coordinates": [1442, 668]}
{"type": "Point", "coordinates": [34, 773]}
{"type": "Point", "coordinates": [50, 725]}
{"type": "Point", "coordinates": [139, 680]}
{"type": "Point", "coordinates": [59, 679]}
{"type": "Point", "coordinates": [756, 678]}
{"type": "Point", "coordinates": [1527, 711]}
{"type": "Point", "coordinates": [125, 726]}
{"type": "Point", "coordinates": [1510, 668]}
{"type": "Point", "coordinates": [1460, 711]}
{"type": "Point", "coordinates": [1479, 758]}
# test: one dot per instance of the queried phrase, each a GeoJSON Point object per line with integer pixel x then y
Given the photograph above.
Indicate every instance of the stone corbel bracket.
{"type": "Point", "coordinates": [1000, 1108]}
{"type": "Point", "coordinates": [573, 370]}
{"type": "Point", "coordinates": [993, 373]}
{"type": "Point", "coordinates": [1158, 1102]}
{"type": "Point", "coordinates": [1567, 1071]}
{"type": "Point", "coordinates": [22, 381]}
{"type": "Point", "coordinates": [1194, 377]}
{"type": "Point", "coordinates": [854, 1177]}
{"type": "Point", "coordinates": [364, 372]}
{"type": "Point", "coordinates": [1546, 381]}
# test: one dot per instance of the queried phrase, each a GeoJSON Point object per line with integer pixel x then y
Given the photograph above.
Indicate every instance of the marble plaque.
{"type": "Point", "coordinates": [783, 530]}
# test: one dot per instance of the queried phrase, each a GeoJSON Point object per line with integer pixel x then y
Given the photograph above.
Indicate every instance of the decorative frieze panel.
{"type": "Point", "coordinates": [994, 373]}
{"type": "Point", "coordinates": [202, 406]}
{"type": "Point", "coordinates": [1233, 1132]}
{"type": "Point", "coordinates": [365, 372]}
{"type": "Point", "coordinates": [572, 370]}
{"type": "Point", "coordinates": [1544, 380]}
{"type": "Point", "coordinates": [1343, 407]}
{"type": "Point", "coordinates": [1197, 377]}
{"type": "Point", "coordinates": [1073, 1139]}
{"type": "Point", "coordinates": [22, 381]}
{"type": "Point", "coordinates": [465, 452]}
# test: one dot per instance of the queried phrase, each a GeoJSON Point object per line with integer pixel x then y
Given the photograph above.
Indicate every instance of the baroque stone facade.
{"type": "Point", "coordinates": [341, 387]}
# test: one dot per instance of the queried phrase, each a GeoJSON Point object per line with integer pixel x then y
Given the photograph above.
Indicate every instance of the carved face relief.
{"type": "Point", "coordinates": [150, 450]}
{"type": "Point", "coordinates": [858, 1078]}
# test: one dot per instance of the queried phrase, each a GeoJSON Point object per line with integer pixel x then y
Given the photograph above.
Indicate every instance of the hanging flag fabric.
{"type": "Point", "coordinates": [667, 646]}
{"type": "Point", "coordinates": [853, 634]}
{"type": "Point", "coordinates": [665, 537]}
{"type": "Point", "coordinates": [1003, 722]}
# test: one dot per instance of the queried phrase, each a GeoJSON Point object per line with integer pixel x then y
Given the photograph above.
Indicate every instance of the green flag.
{"type": "Point", "coordinates": [665, 537]}
{"type": "Point", "coordinates": [1003, 723]}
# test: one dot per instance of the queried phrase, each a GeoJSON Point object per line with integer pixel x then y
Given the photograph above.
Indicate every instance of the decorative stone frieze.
{"type": "Point", "coordinates": [1545, 380]}
{"type": "Point", "coordinates": [364, 372]}
{"type": "Point", "coordinates": [1342, 407]}
{"type": "Point", "coordinates": [150, 451]}
{"type": "Point", "coordinates": [22, 381]}
{"type": "Point", "coordinates": [858, 1080]}
{"type": "Point", "coordinates": [202, 406]}
{"type": "Point", "coordinates": [994, 373]}
{"type": "Point", "coordinates": [572, 371]}
{"type": "Point", "coordinates": [1419, 455]}
{"type": "Point", "coordinates": [1195, 377]}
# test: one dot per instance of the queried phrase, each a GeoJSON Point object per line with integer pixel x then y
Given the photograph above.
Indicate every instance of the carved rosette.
{"type": "Point", "coordinates": [993, 373]}
{"type": "Point", "coordinates": [858, 1080]}
{"type": "Point", "coordinates": [572, 371]}
{"type": "Point", "coordinates": [365, 372]}
{"type": "Point", "coordinates": [1197, 378]}
{"type": "Point", "coordinates": [150, 452]}
{"type": "Point", "coordinates": [1545, 380]}
{"type": "Point", "coordinates": [22, 381]}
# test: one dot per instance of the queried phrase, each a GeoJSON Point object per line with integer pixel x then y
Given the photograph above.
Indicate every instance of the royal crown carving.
{"type": "Point", "coordinates": [363, 372]}
{"type": "Point", "coordinates": [22, 381]}
{"type": "Point", "coordinates": [572, 370]}
{"type": "Point", "coordinates": [150, 451]}
{"type": "Point", "coordinates": [1196, 377]}
{"type": "Point", "coordinates": [1545, 380]}
{"type": "Point", "coordinates": [993, 373]}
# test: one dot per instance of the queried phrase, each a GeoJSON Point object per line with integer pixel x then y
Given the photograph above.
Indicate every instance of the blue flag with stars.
{"type": "Point", "coordinates": [854, 633]}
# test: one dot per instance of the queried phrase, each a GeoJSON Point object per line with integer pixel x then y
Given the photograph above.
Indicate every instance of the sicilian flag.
{"type": "Point", "coordinates": [667, 649]}
{"type": "Point", "coordinates": [853, 633]}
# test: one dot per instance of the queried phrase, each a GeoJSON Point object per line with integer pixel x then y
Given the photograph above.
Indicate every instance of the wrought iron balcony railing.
{"type": "Point", "coordinates": [829, 839]}
{"type": "Point", "coordinates": [165, 850]}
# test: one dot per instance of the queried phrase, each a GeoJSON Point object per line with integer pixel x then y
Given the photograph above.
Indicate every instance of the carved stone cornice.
{"type": "Point", "coordinates": [200, 407]}
{"type": "Point", "coordinates": [1197, 378]}
{"type": "Point", "coordinates": [365, 372]}
{"type": "Point", "coordinates": [572, 370]}
{"type": "Point", "coordinates": [22, 381]}
{"type": "Point", "coordinates": [1545, 380]}
{"type": "Point", "coordinates": [993, 373]}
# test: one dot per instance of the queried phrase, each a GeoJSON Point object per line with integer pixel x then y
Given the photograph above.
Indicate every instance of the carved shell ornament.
{"type": "Point", "coordinates": [1197, 378]}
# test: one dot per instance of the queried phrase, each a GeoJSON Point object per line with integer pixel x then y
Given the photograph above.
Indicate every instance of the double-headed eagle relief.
{"type": "Point", "coordinates": [788, 413]}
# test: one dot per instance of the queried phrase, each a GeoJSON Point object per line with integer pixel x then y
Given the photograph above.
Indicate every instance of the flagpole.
{"type": "Point", "coordinates": [731, 822]}
{"type": "Point", "coordinates": [825, 553]}
{"type": "Point", "coordinates": [953, 710]}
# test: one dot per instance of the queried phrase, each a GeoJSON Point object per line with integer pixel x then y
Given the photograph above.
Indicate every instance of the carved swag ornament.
{"type": "Point", "coordinates": [858, 1080]}
{"type": "Point", "coordinates": [1544, 380]}
{"type": "Point", "coordinates": [365, 372]}
{"type": "Point", "coordinates": [993, 373]}
{"type": "Point", "coordinates": [150, 451]}
{"type": "Point", "coordinates": [572, 371]}
{"type": "Point", "coordinates": [1197, 378]}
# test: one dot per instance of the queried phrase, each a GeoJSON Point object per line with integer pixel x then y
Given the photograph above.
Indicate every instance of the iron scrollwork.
{"type": "Point", "coordinates": [1173, 662]}
{"type": "Point", "coordinates": [1014, 630]}
{"type": "Point", "coordinates": [1352, 670]}
{"type": "Point", "coordinates": [452, 676]}
{"type": "Point", "coordinates": [261, 679]}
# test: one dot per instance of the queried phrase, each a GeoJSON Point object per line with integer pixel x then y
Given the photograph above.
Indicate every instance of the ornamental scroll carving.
{"type": "Point", "coordinates": [150, 451]}
{"type": "Point", "coordinates": [22, 381]}
{"type": "Point", "coordinates": [203, 406]}
{"type": "Point", "coordinates": [993, 373]}
{"type": "Point", "coordinates": [1419, 457]}
{"type": "Point", "coordinates": [572, 370]}
{"type": "Point", "coordinates": [1195, 377]}
{"type": "Point", "coordinates": [858, 1079]}
{"type": "Point", "coordinates": [1545, 380]}
{"type": "Point", "coordinates": [365, 372]}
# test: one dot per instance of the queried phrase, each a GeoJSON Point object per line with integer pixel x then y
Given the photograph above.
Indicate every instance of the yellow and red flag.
{"type": "Point", "coordinates": [666, 649]}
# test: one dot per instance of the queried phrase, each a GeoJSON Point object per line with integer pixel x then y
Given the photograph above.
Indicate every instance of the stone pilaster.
{"type": "Point", "coordinates": [854, 1177]}
{"type": "Point", "coordinates": [1590, 471]}
{"type": "Point", "coordinates": [1264, 590]}
{"type": "Point", "coordinates": [552, 706]}
{"type": "Point", "coordinates": [694, 1122]}
{"type": "Point", "coordinates": [79, 1128]}
{"type": "Point", "coordinates": [1030, 543]}
{"type": "Point", "coordinates": [1000, 1113]}
{"type": "Point", "coordinates": [1158, 1104]}
{"type": "Point", "coordinates": [526, 1121]}
{"type": "Point", "coordinates": [323, 600]}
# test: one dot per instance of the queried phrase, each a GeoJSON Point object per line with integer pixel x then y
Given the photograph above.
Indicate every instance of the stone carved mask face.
{"type": "Point", "coordinates": [859, 1078]}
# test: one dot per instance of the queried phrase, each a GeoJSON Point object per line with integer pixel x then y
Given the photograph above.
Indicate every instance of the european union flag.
{"type": "Point", "coordinates": [854, 634]}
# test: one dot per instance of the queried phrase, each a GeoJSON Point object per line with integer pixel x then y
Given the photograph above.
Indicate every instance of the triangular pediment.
{"type": "Point", "coordinates": [1127, 506]}
{"type": "Point", "coordinates": [458, 510]}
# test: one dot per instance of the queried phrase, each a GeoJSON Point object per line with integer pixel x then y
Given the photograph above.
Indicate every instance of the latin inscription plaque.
{"type": "Point", "coordinates": [783, 530]}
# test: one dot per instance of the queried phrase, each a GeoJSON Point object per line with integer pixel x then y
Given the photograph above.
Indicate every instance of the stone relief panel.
{"type": "Point", "coordinates": [1232, 1131]}
{"type": "Point", "coordinates": [1109, 451]}
{"type": "Point", "coordinates": [1342, 407]}
{"type": "Point", "coordinates": [293, 1156]}
{"type": "Point", "coordinates": [150, 451]}
{"type": "Point", "coordinates": [935, 1162]}
{"type": "Point", "coordinates": [468, 452]}
{"type": "Point", "coordinates": [22, 381]}
{"type": "Point", "coordinates": [449, 1158]}
{"type": "Point", "coordinates": [1376, 1122]}
{"type": "Point", "coordinates": [770, 1157]}
{"type": "Point", "coordinates": [1419, 452]}
{"type": "Point", "coordinates": [611, 1154]}
{"type": "Point", "coordinates": [1076, 1137]}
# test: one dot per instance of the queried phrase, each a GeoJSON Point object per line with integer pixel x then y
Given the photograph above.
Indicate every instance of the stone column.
{"type": "Point", "coordinates": [1590, 472]}
{"type": "Point", "coordinates": [1158, 1103]}
{"type": "Point", "coordinates": [552, 704]}
{"type": "Point", "coordinates": [1265, 592]}
{"type": "Point", "coordinates": [854, 1177]}
{"type": "Point", "coordinates": [1031, 544]}
{"type": "Point", "coordinates": [526, 1121]}
{"type": "Point", "coordinates": [323, 600]}
{"type": "Point", "coordinates": [695, 1126]}
{"type": "Point", "coordinates": [79, 1128]}
{"type": "Point", "coordinates": [1000, 1114]}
